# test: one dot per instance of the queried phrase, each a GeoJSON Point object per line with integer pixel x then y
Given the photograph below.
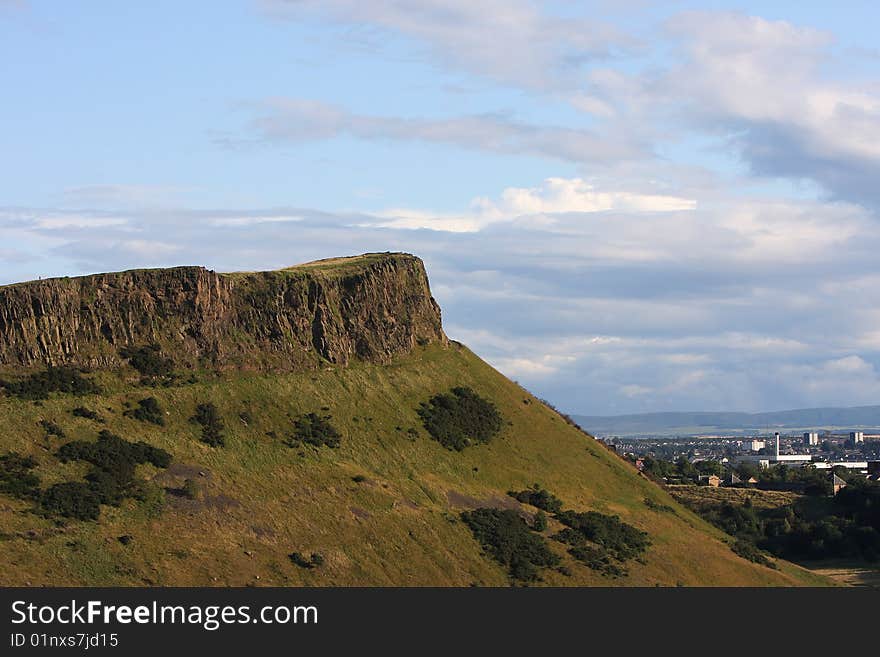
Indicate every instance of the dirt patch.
{"type": "Point", "coordinates": [405, 504]}
{"type": "Point", "coordinates": [177, 471]}
{"type": "Point", "coordinates": [261, 531]}
{"type": "Point", "coordinates": [461, 501]}
{"type": "Point", "coordinates": [359, 513]}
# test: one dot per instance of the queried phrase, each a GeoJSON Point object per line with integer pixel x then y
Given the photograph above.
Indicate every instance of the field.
{"type": "Point", "coordinates": [381, 509]}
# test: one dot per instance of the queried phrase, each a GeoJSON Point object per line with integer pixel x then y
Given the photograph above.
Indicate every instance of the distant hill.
{"type": "Point", "coordinates": [687, 423]}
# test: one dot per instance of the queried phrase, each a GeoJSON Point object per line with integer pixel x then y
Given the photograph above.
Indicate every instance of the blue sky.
{"type": "Point", "coordinates": [626, 206]}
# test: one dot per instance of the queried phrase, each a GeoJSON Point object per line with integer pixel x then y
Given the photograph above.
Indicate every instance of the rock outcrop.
{"type": "Point", "coordinates": [369, 307]}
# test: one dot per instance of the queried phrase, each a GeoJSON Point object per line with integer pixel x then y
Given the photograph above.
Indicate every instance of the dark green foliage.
{"type": "Point", "coordinates": [52, 429]}
{"type": "Point", "coordinates": [64, 379]}
{"type": "Point", "coordinates": [539, 498]}
{"type": "Point", "coordinates": [72, 499]}
{"type": "Point", "coordinates": [298, 559]}
{"type": "Point", "coordinates": [112, 477]}
{"type": "Point", "coordinates": [657, 506]}
{"type": "Point", "coordinates": [539, 524]}
{"type": "Point", "coordinates": [212, 424]}
{"type": "Point", "coordinates": [508, 540]}
{"type": "Point", "coordinates": [597, 558]}
{"type": "Point", "coordinates": [748, 550]}
{"type": "Point", "coordinates": [148, 410]}
{"type": "Point", "coordinates": [314, 430]}
{"type": "Point", "coordinates": [846, 526]}
{"type": "Point", "coordinates": [148, 360]}
{"type": "Point", "coordinates": [16, 478]}
{"type": "Point", "coordinates": [82, 411]}
{"type": "Point", "coordinates": [460, 418]}
{"type": "Point", "coordinates": [621, 540]}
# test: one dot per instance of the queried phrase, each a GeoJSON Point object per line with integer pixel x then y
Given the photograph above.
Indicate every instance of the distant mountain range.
{"type": "Point", "coordinates": [692, 423]}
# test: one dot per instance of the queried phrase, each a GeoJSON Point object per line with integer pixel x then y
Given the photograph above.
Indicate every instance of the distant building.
{"type": "Point", "coordinates": [754, 445]}
{"type": "Point", "coordinates": [712, 480]}
{"type": "Point", "coordinates": [857, 436]}
{"type": "Point", "coordinates": [837, 484]}
{"type": "Point", "coordinates": [811, 438]}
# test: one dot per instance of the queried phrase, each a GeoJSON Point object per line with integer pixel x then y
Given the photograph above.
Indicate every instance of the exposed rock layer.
{"type": "Point", "coordinates": [369, 307]}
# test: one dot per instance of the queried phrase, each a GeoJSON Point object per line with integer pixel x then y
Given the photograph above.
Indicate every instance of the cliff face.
{"type": "Point", "coordinates": [369, 307]}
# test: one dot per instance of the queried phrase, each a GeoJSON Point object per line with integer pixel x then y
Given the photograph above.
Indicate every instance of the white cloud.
{"type": "Point", "coordinates": [554, 196]}
{"type": "Point", "coordinates": [513, 41]}
{"type": "Point", "coordinates": [297, 120]}
{"type": "Point", "coordinates": [250, 220]}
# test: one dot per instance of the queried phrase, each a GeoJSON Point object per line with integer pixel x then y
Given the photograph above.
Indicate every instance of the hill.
{"type": "Point", "coordinates": [688, 423]}
{"type": "Point", "coordinates": [285, 443]}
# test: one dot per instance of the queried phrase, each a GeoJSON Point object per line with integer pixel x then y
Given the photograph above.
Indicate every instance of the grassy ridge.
{"type": "Point", "coordinates": [381, 509]}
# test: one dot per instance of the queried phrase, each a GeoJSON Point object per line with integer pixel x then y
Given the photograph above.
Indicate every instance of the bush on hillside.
{"type": "Point", "coordinates": [298, 559]}
{"type": "Point", "coordinates": [539, 498]}
{"type": "Point", "coordinates": [621, 540]}
{"type": "Point", "coordinates": [507, 538]}
{"type": "Point", "coordinates": [111, 478]}
{"type": "Point", "coordinates": [148, 410]}
{"type": "Point", "coordinates": [148, 360]}
{"type": "Point", "coordinates": [39, 385]}
{"type": "Point", "coordinates": [539, 524]}
{"type": "Point", "coordinates": [72, 499]}
{"type": "Point", "coordinates": [460, 418]}
{"type": "Point", "coordinates": [212, 424]}
{"type": "Point", "coordinates": [52, 429]}
{"type": "Point", "coordinates": [314, 430]}
{"type": "Point", "coordinates": [16, 478]}
{"type": "Point", "coordinates": [748, 550]}
{"type": "Point", "coordinates": [82, 411]}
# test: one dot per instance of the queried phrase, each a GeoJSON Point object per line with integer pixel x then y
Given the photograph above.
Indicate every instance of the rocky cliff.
{"type": "Point", "coordinates": [368, 307]}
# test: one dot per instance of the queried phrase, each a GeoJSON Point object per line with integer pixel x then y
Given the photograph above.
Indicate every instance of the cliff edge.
{"type": "Point", "coordinates": [369, 307]}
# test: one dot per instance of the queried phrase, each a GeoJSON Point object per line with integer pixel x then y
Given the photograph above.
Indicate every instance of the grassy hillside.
{"type": "Point", "coordinates": [381, 509]}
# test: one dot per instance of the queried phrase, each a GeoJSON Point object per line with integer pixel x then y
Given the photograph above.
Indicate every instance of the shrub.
{"type": "Point", "coordinates": [148, 360]}
{"type": "Point", "coordinates": [112, 476]}
{"type": "Point", "coordinates": [315, 430]}
{"type": "Point", "coordinates": [539, 498]}
{"type": "Point", "coordinates": [508, 540]}
{"type": "Point", "coordinates": [597, 558]}
{"type": "Point", "coordinates": [298, 559]}
{"type": "Point", "coordinates": [623, 541]}
{"type": "Point", "coordinates": [748, 550]}
{"type": "Point", "coordinates": [63, 379]}
{"type": "Point", "coordinates": [148, 410]}
{"type": "Point", "coordinates": [52, 429]}
{"type": "Point", "coordinates": [460, 418]}
{"type": "Point", "coordinates": [358, 479]}
{"type": "Point", "coordinates": [539, 524]}
{"type": "Point", "coordinates": [82, 411]}
{"type": "Point", "coordinates": [16, 478]}
{"type": "Point", "coordinates": [71, 499]}
{"type": "Point", "coordinates": [212, 424]}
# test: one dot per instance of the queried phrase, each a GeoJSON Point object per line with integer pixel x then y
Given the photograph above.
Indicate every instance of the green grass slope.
{"type": "Point", "coordinates": [381, 509]}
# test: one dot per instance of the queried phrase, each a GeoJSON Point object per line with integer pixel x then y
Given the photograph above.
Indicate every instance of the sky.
{"type": "Point", "coordinates": [625, 206]}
